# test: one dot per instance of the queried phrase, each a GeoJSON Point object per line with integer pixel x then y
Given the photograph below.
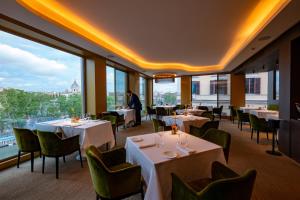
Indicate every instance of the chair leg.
{"type": "Point", "coordinates": [40, 153]}
{"type": "Point", "coordinates": [142, 192]}
{"type": "Point", "coordinates": [251, 133]}
{"type": "Point", "coordinates": [97, 196]}
{"type": "Point", "coordinates": [43, 168]}
{"type": "Point", "coordinates": [32, 160]}
{"type": "Point", "coordinates": [238, 124]}
{"type": "Point", "coordinates": [241, 126]}
{"type": "Point", "coordinates": [57, 165]}
{"type": "Point", "coordinates": [64, 158]}
{"type": "Point", "coordinates": [80, 157]}
{"type": "Point", "coordinates": [19, 156]}
{"type": "Point", "coordinates": [257, 138]}
{"type": "Point", "coordinates": [267, 135]}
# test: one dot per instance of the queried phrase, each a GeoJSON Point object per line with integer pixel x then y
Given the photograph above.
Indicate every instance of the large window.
{"type": "Point", "coordinates": [37, 83]}
{"type": "Point", "coordinates": [211, 91]}
{"type": "Point", "coordinates": [116, 86]}
{"type": "Point", "coordinates": [257, 89]}
{"type": "Point", "coordinates": [143, 93]}
{"type": "Point", "coordinates": [276, 85]}
{"type": "Point", "coordinates": [167, 92]}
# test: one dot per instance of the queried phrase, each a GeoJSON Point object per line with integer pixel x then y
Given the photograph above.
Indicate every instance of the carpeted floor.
{"type": "Point", "coordinates": [277, 178]}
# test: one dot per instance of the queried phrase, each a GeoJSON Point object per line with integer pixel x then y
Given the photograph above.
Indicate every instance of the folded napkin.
{"type": "Point", "coordinates": [142, 146]}
{"type": "Point", "coordinates": [185, 150]}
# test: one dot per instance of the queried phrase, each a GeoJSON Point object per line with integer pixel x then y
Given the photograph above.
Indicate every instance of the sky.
{"type": "Point", "coordinates": [31, 66]}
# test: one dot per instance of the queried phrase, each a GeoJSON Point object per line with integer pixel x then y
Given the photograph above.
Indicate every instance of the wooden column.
{"type": "Point", "coordinates": [237, 90]}
{"type": "Point", "coordinates": [186, 90]}
{"type": "Point", "coordinates": [149, 92]}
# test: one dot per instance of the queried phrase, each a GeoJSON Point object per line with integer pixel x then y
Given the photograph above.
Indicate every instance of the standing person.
{"type": "Point", "coordinates": [135, 103]}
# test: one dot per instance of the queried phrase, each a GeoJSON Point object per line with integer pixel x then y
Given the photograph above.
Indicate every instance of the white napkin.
{"type": "Point", "coordinates": [142, 146]}
{"type": "Point", "coordinates": [185, 150]}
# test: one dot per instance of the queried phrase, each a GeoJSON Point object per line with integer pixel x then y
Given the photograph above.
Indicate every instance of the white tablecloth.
{"type": "Point", "coordinates": [129, 115]}
{"type": "Point", "coordinates": [196, 112]}
{"type": "Point", "coordinates": [248, 109]}
{"type": "Point", "coordinates": [184, 122]}
{"type": "Point", "coordinates": [263, 113]}
{"type": "Point", "coordinates": [157, 169]}
{"type": "Point", "coordinates": [91, 132]}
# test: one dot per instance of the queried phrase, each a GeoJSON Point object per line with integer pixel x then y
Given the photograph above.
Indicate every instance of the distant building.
{"type": "Point", "coordinates": [75, 87]}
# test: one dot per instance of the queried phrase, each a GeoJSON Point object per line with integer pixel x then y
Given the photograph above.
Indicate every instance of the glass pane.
{"type": "Point", "coordinates": [143, 93]}
{"type": "Point", "coordinates": [37, 83]}
{"type": "Point", "coordinates": [257, 89]}
{"type": "Point", "coordinates": [224, 92]}
{"type": "Point", "coordinates": [121, 87]}
{"type": "Point", "coordinates": [110, 88]}
{"type": "Point", "coordinates": [277, 85]}
{"type": "Point", "coordinates": [207, 95]}
{"type": "Point", "coordinates": [167, 92]}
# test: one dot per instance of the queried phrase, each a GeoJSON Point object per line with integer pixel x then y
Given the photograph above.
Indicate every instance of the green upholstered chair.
{"type": "Point", "coordinates": [113, 121]}
{"type": "Point", "coordinates": [242, 118]}
{"type": "Point", "coordinates": [52, 145]}
{"type": "Point", "coordinates": [112, 176]}
{"type": "Point", "coordinates": [200, 131]}
{"type": "Point", "coordinates": [202, 108]}
{"type": "Point", "coordinates": [27, 142]}
{"type": "Point", "coordinates": [220, 138]}
{"type": "Point", "coordinates": [160, 112]}
{"type": "Point", "coordinates": [160, 125]}
{"type": "Point", "coordinates": [232, 113]}
{"type": "Point", "coordinates": [224, 184]}
{"type": "Point", "coordinates": [208, 114]}
{"type": "Point", "coordinates": [274, 107]}
{"type": "Point", "coordinates": [120, 119]}
{"type": "Point", "coordinates": [258, 125]}
{"type": "Point", "coordinates": [218, 111]}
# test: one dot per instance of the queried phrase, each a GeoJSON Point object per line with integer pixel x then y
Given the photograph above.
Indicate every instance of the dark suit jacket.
{"type": "Point", "coordinates": [134, 102]}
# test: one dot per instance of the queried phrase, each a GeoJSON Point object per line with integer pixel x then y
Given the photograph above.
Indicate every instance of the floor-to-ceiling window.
{"type": "Point", "coordinates": [166, 92]}
{"type": "Point", "coordinates": [143, 93]}
{"type": "Point", "coordinates": [37, 83]}
{"type": "Point", "coordinates": [116, 86]}
{"type": "Point", "coordinates": [257, 89]}
{"type": "Point", "coordinates": [211, 91]}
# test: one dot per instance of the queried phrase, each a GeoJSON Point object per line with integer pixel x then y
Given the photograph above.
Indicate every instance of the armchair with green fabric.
{"type": "Point", "coordinates": [200, 131]}
{"type": "Point", "coordinates": [160, 125]}
{"type": "Point", "coordinates": [225, 184]}
{"type": "Point", "coordinates": [274, 107]}
{"type": "Point", "coordinates": [112, 177]}
{"type": "Point", "coordinates": [208, 114]}
{"type": "Point", "coordinates": [242, 118]}
{"type": "Point", "coordinates": [27, 142]}
{"type": "Point", "coordinates": [220, 138]}
{"type": "Point", "coordinates": [232, 113]}
{"type": "Point", "coordinates": [259, 124]}
{"type": "Point", "coordinates": [52, 145]}
{"type": "Point", "coordinates": [120, 119]}
{"type": "Point", "coordinates": [218, 111]}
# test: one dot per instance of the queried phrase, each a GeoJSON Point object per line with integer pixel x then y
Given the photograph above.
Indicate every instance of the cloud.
{"type": "Point", "coordinates": [16, 57]}
{"type": "Point", "coordinates": [2, 78]}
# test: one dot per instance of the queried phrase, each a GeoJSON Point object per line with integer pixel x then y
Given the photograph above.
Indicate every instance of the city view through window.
{"type": "Point", "coordinates": [167, 93]}
{"type": "Point", "coordinates": [37, 83]}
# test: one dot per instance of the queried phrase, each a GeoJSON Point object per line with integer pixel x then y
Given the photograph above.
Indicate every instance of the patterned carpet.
{"type": "Point", "coordinates": [278, 177]}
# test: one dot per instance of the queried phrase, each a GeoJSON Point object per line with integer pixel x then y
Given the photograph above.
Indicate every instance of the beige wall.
{"type": "Point", "coordinates": [96, 85]}
{"type": "Point", "coordinates": [186, 96]}
{"type": "Point", "coordinates": [237, 90]}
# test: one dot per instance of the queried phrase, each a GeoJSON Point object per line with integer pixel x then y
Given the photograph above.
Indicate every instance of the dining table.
{"type": "Point", "coordinates": [129, 115]}
{"type": "Point", "coordinates": [184, 121]}
{"type": "Point", "coordinates": [160, 154]}
{"type": "Point", "coordinates": [263, 113]}
{"type": "Point", "coordinates": [247, 109]}
{"type": "Point", "coordinates": [192, 111]}
{"type": "Point", "coordinates": [91, 132]}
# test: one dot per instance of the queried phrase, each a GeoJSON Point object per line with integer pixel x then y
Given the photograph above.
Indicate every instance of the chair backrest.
{"type": "Point", "coordinates": [219, 137]}
{"type": "Point", "coordinates": [26, 140]}
{"type": "Point", "coordinates": [232, 111]}
{"type": "Point", "coordinates": [273, 107]}
{"type": "Point", "coordinates": [200, 131]}
{"type": "Point", "coordinates": [208, 114]}
{"type": "Point", "coordinates": [50, 143]}
{"type": "Point", "coordinates": [228, 187]}
{"type": "Point", "coordinates": [161, 111]}
{"type": "Point", "coordinates": [202, 108]}
{"type": "Point", "coordinates": [114, 113]}
{"type": "Point", "coordinates": [239, 187]}
{"type": "Point", "coordinates": [111, 118]}
{"type": "Point", "coordinates": [239, 114]}
{"type": "Point", "coordinates": [157, 123]}
{"type": "Point", "coordinates": [99, 172]}
{"type": "Point", "coordinates": [255, 122]}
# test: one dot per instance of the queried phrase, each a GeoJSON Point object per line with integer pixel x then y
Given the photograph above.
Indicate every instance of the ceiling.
{"type": "Point", "coordinates": [184, 37]}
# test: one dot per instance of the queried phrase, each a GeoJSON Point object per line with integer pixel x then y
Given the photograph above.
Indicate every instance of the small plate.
{"type": "Point", "coordinates": [170, 154]}
{"type": "Point", "coordinates": [137, 139]}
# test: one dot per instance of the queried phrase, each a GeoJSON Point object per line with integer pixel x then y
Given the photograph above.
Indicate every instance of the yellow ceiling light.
{"type": "Point", "coordinates": [55, 12]}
